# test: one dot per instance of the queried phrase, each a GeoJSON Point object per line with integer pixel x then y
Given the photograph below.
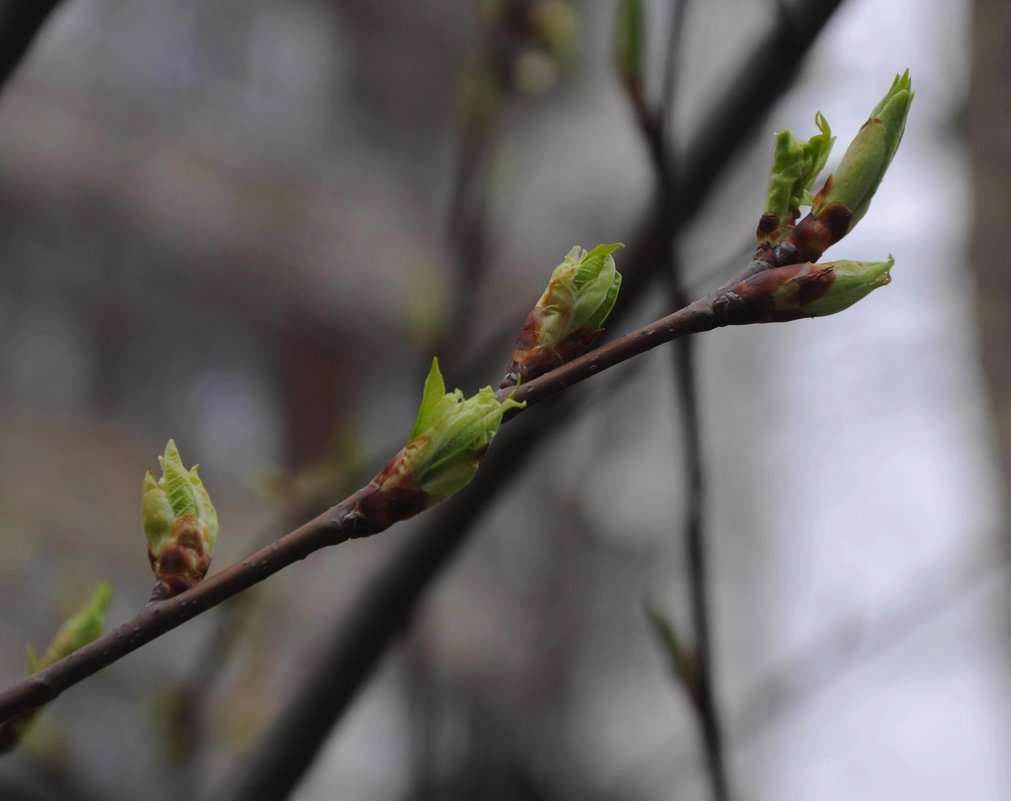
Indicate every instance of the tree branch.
{"type": "Point", "coordinates": [20, 21]}
{"type": "Point", "coordinates": [343, 521]}
{"type": "Point", "coordinates": [374, 620]}
{"type": "Point", "coordinates": [700, 691]}
{"type": "Point", "coordinates": [722, 133]}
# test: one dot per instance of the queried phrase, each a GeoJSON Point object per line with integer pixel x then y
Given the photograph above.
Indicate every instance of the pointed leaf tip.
{"type": "Point", "coordinates": [432, 399]}
{"type": "Point", "coordinates": [180, 523]}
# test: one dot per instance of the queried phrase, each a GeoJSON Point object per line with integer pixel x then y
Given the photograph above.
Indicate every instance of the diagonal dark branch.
{"type": "Point", "coordinates": [765, 74]}
{"type": "Point", "coordinates": [20, 21]}
{"type": "Point", "coordinates": [338, 524]}
{"type": "Point", "coordinates": [290, 744]}
{"type": "Point", "coordinates": [366, 512]}
{"type": "Point", "coordinates": [701, 691]}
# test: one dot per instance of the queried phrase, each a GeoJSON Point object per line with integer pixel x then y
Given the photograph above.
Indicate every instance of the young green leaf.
{"type": "Point", "coordinates": [84, 626]}
{"type": "Point", "coordinates": [795, 165]}
{"type": "Point", "coordinates": [569, 314]}
{"type": "Point", "coordinates": [450, 436]}
{"type": "Point", "coordinates": [180, 524]}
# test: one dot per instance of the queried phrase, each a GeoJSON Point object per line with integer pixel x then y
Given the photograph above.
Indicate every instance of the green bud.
{"type": "Point", "coordinates": [863, 166]}
{"type": "Point", "coordinates": [450, 436]}
{"type": "Point", "coordinates": [787, 293]}
{"type": "Point", "coordinates": [180, 524]}
{"type": "Point", "coordinates": [795, 165]}
{"type": "Point", "coordinates": [568, 317]}
{"type": "Point", "coordinates": [630, 45]}
{"type": "Point", "coordinates": [84, 626]}
{"type": "Point", "coordinates": [851, 281]}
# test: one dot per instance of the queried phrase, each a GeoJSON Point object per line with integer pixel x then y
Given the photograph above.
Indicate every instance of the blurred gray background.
{"type": "Point", "coordinates": [228, 222]}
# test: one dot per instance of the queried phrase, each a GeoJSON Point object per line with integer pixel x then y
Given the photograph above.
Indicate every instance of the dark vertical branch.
{"type": "Point", "coordinates": [20, 21]}
{"type": "Point", "coordinates": [702, 691]}
{"type": "Point", "coordinates": [466, 224]}
{"type": "Point", "coordinates": [693, 533]}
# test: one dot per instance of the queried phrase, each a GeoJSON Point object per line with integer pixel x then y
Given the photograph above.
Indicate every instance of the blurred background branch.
{"type": "Point", "coordinates": [20, 21]}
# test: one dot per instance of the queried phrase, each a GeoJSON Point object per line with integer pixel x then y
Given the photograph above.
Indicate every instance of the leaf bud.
{"type": "Point", "coordinates": [795, 165]}
{"type": "Point", "coordinates": [180, 525]}
{"type": "Point", "coordinates": [570, 314]}
{"type": "Point", "coordinates": [780, 294]}
{"type": "Point", "coordinates": [846, 195]}
{"type": "Point", "coordinates": [450, 437]}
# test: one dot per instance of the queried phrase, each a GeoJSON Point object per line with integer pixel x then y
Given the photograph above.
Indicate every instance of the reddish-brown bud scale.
{"type": "Point", "coordinates": [382, 508]}
{"type": "Point", "coordinates": [393, 495]}
{"type": "Point", "coordinates": [768, 225]}
{"type": "Point", "coordinates": [775, 295]}
{"type": "Point", "coordinates": [815, 235]}
{"type": "Point", "coordinates": [183, 563]}
{"type": "Point", "coordinates": [536, 361]}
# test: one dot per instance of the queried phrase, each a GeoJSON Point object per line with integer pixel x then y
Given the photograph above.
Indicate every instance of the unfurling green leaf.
{"type": "Point", "coordinates": [81, 628]}
{"type": "Point", "coordinates": [450, 436]}
{"type": "Point", "coordinates": [84, 626]}
{"type": "Point", "coordinates": [569, 315]}
{"type": "Point", "coordinates": [795, 165]}
{"type": "Point", "coordinates": [180, 524]}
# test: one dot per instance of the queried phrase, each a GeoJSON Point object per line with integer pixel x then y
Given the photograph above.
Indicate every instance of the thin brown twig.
{"type": "Point", "coordinates": [372, 621]}
{"type": "Point", "coordinates": [345, 520]}
{"type": "Point", "coordinates": [701, 692]}
{"type": "Point", "coordinates": [354, 648]}
{"type": "Point", "coordinates": [839, 649]}
{"type": "Point", "coordinates": [380, 612]}
{"type": "Point", "coordinates": [719, 136]}
{"type": "Point", "coordinates": [656, 126]}
{"type": "Point", "coordinates": [295, 736]}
